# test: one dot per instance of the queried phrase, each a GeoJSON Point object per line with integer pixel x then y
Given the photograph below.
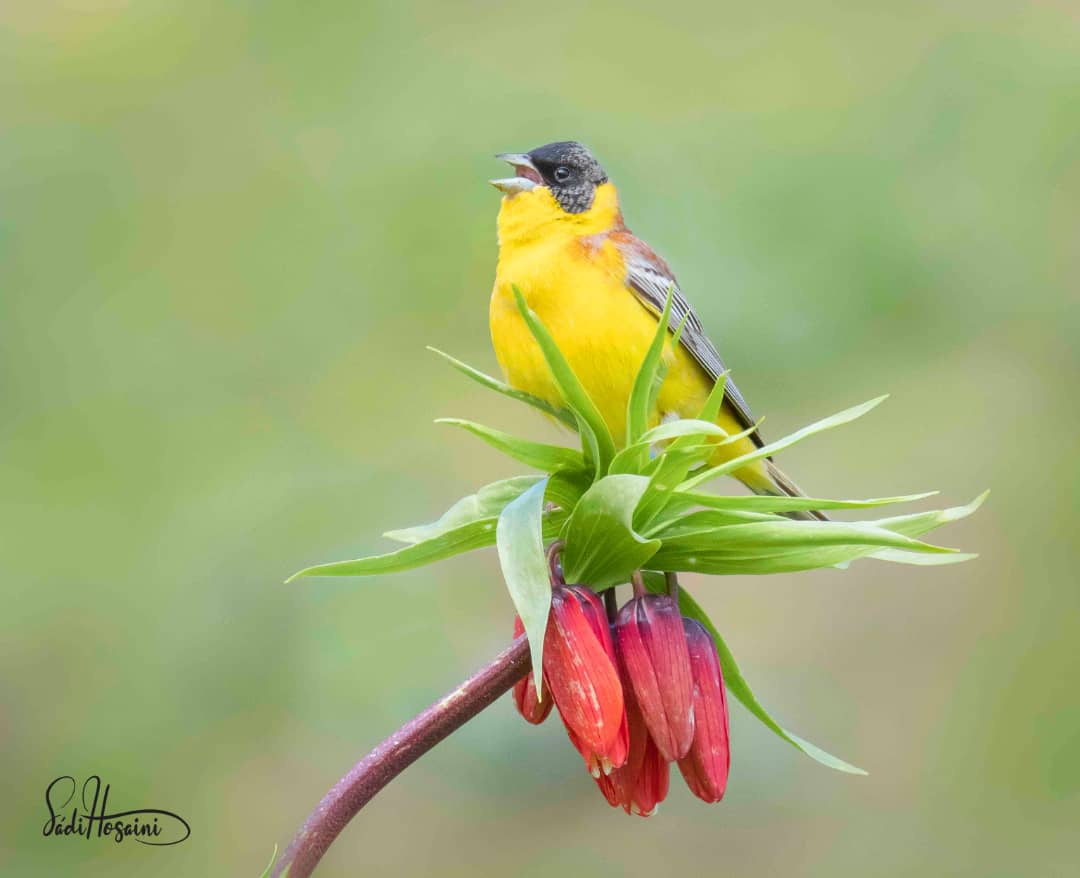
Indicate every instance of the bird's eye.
{"type": "Point", "coordinates": [562, 174]}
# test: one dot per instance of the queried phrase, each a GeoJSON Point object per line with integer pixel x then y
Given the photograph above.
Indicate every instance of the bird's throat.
{"type": "Point", "coordinates": [529, 216]}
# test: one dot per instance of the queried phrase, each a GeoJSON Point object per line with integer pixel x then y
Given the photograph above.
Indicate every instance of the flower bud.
{"type": "Point", "coordinates": [705, 767]}
{"type": "Point", "coordinates": [580, 670]}
{"type": "Point", "coordinates": [652, 648]}
{"type": "Point", "coordinates": [641, 783]}
{"type": "Point", "coordinates": [652, 785]}
{"type": "Point", "coordinates": [534, 710]}
{"type": "Point", "coordinates": [602, 764]}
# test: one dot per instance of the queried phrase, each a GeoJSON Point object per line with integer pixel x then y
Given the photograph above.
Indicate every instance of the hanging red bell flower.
{"type": "Point", "coordinates": [651, 647]}
{"type": "Point", "coordinates": [705, 767]}
{"type": "Point", "coordinates": [580, 671]}
{"type": "Point", "coordinates": [534, 710]}
{"type": "Point", "coordinates": [635, 695]}
{"type": "Point", "coordinates": [602, 763]}
{"type": "Point", "coordinates": [641, 783]}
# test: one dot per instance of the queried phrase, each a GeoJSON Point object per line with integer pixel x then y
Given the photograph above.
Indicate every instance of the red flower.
{"type": "Point", "coordinates": [641, 784]}
{"type": "Point", "coordinates": [602, 764]}
{"type": "Point", "coordinates": [580, 671]}
{"type": "Point", "coordinates": [535, 710]}
{"type": "Point", "coordinates": [653, 652]}
{"type": "Point", "coordinates": [705, 767]}
{"type": "Point", "coordinates": [634, 697]}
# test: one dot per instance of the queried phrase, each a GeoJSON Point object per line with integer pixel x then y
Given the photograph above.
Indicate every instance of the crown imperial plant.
{"type": "Point", "coordinates": [642, 686]}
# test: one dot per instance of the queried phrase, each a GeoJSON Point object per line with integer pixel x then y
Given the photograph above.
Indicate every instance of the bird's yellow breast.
{"type": "Point", "coordinates": [575, 281]}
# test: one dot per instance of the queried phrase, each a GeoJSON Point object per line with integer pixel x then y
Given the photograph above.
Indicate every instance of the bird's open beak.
{"type": "Point", "coordinates": [527, 177]}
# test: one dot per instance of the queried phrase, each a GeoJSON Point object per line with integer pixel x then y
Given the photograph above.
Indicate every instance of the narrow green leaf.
{"type": "Point", "coordinates": [488, 502]}
{"type": "Point", "coordinates": [666, 526]}
{"type": "Point", "coordinates": [783, 534]}
{"type": "Point", "coordinates": [771, 448]}
{"type": "Point", "coordinates": [678, 459]}
{"type": "Point", "coordinates": [715, 399]}
{"type": "Point", "coordinates": [270, 865]}
{"type": "Point", "coordinates": [922, 522]}
{"type": "Point", "coordinates": [474, 535]}
{"type": "Point", "coordinates": [633, 459]}
{"type": "Point", "coordinates": [560, 414]}
{"type": "Point", "coordinates": [737, 686]}
{"type": "Point", "coordinates": [591, 424]}
{"type": "Point", "coordinates": [666, 473]}
{"type": "Point", "coordinates": [682, 427]}
{"type": "Point", "coordinates": [919, 523]}
{"type": "Point", "coordinates": [602, 547]}
{"type": "Point", "coordinates": [898, 556]}
{"type": "Point", "coordinates": [639, 406]}
{"type": "Point", "coordinates": [777, 547]}
{"type": "Point", "coordinates": [686, 499]}
{"type": "Point", "coordinates": [535, 454]}
{"type": "Point", "coordinates": [521, 553]}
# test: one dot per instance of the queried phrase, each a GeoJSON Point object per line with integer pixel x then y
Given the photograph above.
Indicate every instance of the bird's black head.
{"type": "Point", "coordinates": [567, 168]}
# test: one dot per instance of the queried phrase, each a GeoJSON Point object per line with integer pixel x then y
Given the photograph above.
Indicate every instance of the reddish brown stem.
{"type": "Point", "coordinates": [397, 753]}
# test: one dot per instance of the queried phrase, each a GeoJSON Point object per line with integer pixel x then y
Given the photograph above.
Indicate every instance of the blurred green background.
{"type": "Point", "coordinates": [227, 232]}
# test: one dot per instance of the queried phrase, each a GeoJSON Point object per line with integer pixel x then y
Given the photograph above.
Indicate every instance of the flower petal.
{"type": "Point", "coordinates": [535, 710]}
{"type": "Point", "coordinates": [580, 672]}
{"type": "Point", "coordinates": [651, 645]}
{"type": "Point", "coordinates": [705, 768]}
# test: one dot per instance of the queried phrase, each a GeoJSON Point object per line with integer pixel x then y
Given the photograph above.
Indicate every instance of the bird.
{"type": "Point", "coordinates": [600, 291]}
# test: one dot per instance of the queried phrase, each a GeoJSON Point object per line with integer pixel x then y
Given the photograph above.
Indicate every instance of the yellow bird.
{"type": "Point", "coordinates": [599, 290]}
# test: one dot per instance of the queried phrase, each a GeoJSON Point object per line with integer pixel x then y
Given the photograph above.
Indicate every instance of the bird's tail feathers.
{"type": "Point", "coordinates": [782, 485]}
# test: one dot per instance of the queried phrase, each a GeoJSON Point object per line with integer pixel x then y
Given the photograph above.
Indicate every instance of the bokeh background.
{"type": "Point", "coordinates": [228, 231]}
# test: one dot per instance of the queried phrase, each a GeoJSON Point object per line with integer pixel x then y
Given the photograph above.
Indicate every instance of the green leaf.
{"type": "Point", "coordinates": [686, 499]}
{"type": "Point", "coordinates": [687, 427]}
{"type": "Point", "coordinates": [591, 425]}
{"type": "Point", "coordinates": [524, 565]}
{"type": "Point", "coordinates": [602, 547]}
{"type": "Point", "coordinates": [783, 534]}
{"type": "Point", "coordinates": [633, 458]}
{"type": "Point", "coordinates": [681, 456]}
{"type": "Point", "coordinates": [535, 454]}
{"type": "Point", "coordinates": [667, 526]}
{"type": "Point", "coordinates": [560, 414]}
{"type": "Point", "coordinates": [667, 472]}
{"type": "Point", "coordinates": [844, 417]}
{"type": "Point", "coordinates": [485, 503]}
{"type": "Point", "coordinates": [565, 488]}
{"type": "Point", "coordinates": [474, 535]}
{"type": "Point", "coordinates": [919, 523]}
{"type": "Point", "coordinates": [640, 403]}
{"type": "Point", "coordinates": [777, 546]}
{"type": "Point", "coordinates": [898, 556]}
{"type": "Point", "coordinates": [736, 684]}
{"type": "Point", "coordinates": [270, 866]}
{"type": "Point", "coordinates": [715, 399]}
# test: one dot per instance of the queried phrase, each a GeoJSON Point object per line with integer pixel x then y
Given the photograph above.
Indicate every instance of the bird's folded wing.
{"type": "Point", "coordinates": [650, 279]}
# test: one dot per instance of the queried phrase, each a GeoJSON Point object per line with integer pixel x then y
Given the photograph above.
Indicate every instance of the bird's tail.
{"type": "Point", "coordinates": [779, 485]}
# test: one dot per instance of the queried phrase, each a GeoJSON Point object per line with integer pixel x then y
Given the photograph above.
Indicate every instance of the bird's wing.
{"type": "Point", "coordinates": [650, 279]}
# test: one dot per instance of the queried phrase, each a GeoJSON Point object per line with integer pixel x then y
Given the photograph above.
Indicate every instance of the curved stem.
{"type": "Point", "coordinates": [554, 560]}
{"type": "Point", "coordinates": [397, 753]}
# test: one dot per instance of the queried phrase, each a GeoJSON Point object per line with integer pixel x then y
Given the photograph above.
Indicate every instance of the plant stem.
{"type": "Point", "coordinates": [397, 753]}
{"type": "Point", "coordinates": [554, 560]}
{"type": "Point", "coordinates": [672, 580]}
